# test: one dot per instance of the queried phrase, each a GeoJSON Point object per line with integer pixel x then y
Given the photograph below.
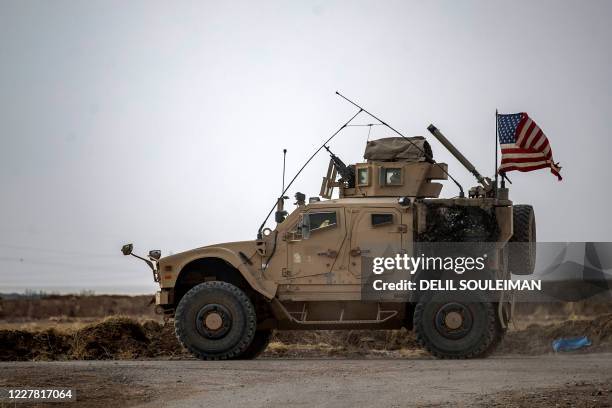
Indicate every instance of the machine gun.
{"type": "Point", "coordinates": [336, 166]}
{"type": "Point", "coordinates": [347, 173]}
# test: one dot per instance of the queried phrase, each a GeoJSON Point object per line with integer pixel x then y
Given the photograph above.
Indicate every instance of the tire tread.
{"type": "Point", "coordinates": [485, 346]}
{"type": "Point", "coordinates": [518, 259]}
{"type": "Point", "coordinates": [251, 320]}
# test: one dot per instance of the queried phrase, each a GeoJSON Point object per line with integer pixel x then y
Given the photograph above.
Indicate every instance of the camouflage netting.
{"type": "Point", "coordinates": [398, 149]}
{"type": "Point", "coordinates": [459, 224]}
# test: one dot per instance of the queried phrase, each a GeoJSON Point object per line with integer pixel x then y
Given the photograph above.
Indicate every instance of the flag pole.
{"type": "Point", "coordinates": [496, 148]}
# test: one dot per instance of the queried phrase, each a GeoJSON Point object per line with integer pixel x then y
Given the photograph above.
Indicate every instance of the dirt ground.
{"type": "Point", "coordinates": [574, 394]}
{"type": "Point", "coordinates": [136, 359]}
{"type": "Point", "coordinates": [583, 380]}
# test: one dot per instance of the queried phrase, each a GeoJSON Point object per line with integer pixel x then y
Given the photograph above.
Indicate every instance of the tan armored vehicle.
{"type": "Point", "coordinates": [307, 272]}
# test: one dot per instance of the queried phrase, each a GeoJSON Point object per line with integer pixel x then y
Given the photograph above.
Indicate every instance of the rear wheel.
{"type": "Point", "coordinates": [455, 329]}
{"type": "Point", "coordinates": [522, 250]}
{"type": "Point", "coordinates": [215, 321]}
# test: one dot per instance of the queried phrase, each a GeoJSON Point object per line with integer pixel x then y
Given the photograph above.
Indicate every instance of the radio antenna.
{"type": "Point", "coordinates": [428, 156]}
{"type": "Point", "coordinates": [284, 161]}
{"type": "Point", "coordinates": [259, 234]}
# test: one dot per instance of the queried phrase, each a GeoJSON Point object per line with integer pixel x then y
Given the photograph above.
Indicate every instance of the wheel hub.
{"type": "Point", "coordinates": [453, 321]}
{"type": "Point", "coordinates": [213, 321]}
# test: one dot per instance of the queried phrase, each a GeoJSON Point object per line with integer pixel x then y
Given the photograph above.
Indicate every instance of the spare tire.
{"type": "Point", "coordinates": [522, 247]}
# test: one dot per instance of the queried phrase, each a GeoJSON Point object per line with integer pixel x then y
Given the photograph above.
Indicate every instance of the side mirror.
{"type": "Point", "coordinates": [127, 249]}
{"type": "Point", "coordinates": [279, 216]}
{"type": "Point", "coordinates": [155, 254]}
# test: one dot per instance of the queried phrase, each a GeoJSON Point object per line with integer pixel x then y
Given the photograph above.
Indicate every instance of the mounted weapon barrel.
{"type": "Point", "coordinates": [458, 155]}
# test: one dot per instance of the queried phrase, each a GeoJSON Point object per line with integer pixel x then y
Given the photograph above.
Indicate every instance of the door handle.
{"type": "Point", "coordinates": [402, 229]}
{"type": "Point", "coordinates": [358, 251]}
{"type": "Point", "coordinates": [329, 253]}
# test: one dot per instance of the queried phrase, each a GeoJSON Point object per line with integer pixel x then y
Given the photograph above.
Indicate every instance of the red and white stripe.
{"type": "Point", "coordinates": [531, 152]}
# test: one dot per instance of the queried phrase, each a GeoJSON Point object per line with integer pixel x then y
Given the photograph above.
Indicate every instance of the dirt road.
{"type": "Point", "coordinates": [329, 383]}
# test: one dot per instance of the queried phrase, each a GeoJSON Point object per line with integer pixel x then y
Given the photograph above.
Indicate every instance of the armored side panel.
{"type": "Point", "coordinates": [396, 179]}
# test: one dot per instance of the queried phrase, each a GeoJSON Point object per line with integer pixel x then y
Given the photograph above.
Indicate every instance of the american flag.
{"type": "Point", "coordinates": [524, 146]}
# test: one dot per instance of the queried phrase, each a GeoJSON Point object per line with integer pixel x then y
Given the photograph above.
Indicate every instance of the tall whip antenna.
{"type": "Point", "coordinates": [496, 148]}
{"type": "Point", "coordinates": [428, 156]}
{"type": "Point", "coordinates": [284, 161]}
{"type": "Point", "coordinates": [329, 139]}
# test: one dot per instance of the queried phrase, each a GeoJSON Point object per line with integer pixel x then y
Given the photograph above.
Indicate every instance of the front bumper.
{"type": "Point", "coordinates": [164, 297]}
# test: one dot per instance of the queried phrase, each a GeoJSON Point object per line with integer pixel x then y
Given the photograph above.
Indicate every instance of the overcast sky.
{"type": "Point", "coordinates": [162, 123]}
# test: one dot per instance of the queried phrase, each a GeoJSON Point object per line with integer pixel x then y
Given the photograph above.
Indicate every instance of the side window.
{"type": "Point", "coordinates": [320, 220]}
{"type": "Point", "coordinates": [363, 177]}
{"type": "Point", "coordinates": [312, 222]}
{"type": "Point", "coordinates": [381, 219]}
{"type": "Point", "coordinates": [393, 177]}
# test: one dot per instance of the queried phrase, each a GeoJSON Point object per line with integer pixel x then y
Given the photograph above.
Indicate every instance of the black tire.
{"type": "Point", "coordinates": [498, 336]}
{"type": "Point", "coordinates": [232, 323]}
{"type": "Point", "coordinates": [522, 249]}
{"type": "Point", "coordinates": [258, 345]}
{"type": "Point", "coordinates": [473, 340]}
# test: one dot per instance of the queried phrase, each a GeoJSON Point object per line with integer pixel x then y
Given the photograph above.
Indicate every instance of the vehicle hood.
{"type": "Point", "coordinates": [246, 247]}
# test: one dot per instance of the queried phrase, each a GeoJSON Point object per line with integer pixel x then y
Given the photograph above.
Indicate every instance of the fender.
{"type": "Point", "coordinates": [227, 252]}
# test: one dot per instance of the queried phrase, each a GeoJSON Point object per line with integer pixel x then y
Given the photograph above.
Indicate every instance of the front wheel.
{"type": "Point", "coordinates": [258, 345]}
{"type": "Point", "coordinates": [455, 329]}
{"type": "Point", "coordinates": [215, 321]}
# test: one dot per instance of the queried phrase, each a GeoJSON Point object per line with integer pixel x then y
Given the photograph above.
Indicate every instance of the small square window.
{"type": "Point", "coordinates": [322, 220]}
{"type": "Point", "coordinates": [363, 177]}
{"type": "Point", "coordinates": [381, 219]}
{"type": "Point", "coordinates": [393, 177]}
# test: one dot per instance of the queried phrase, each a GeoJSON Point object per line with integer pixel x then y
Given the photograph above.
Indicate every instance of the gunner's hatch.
{"type": "Point", "coordinates": [394, 167]}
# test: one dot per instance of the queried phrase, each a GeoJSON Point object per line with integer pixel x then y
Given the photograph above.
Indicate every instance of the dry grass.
{"type": "Point", "coordinates": [125, 338]}
{"type": "Point", "coordinates": [116, 337]}
{"type": "Point", "coordinates": [66, 307]}
{"type": "Point", "coordinates": [42, 331]}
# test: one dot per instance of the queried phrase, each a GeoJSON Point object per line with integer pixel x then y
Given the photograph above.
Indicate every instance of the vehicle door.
{"type": "Point", "coordinates": [313, 247]}
{"type": "Point", "coordinates": [375, 232]}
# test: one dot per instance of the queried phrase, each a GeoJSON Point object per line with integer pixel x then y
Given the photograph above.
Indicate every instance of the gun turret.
{"type": "Point", "coordinates": [347, 173]}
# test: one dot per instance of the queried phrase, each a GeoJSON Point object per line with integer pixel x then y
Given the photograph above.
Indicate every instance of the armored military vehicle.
{"type": "Point", "coordinates": [307, 272]}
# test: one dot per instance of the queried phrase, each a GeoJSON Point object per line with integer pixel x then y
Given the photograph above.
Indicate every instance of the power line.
{"type": "Point", "coordinates": [59, 251]}
{"type": "Point", "coordinates": [52, 263]}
